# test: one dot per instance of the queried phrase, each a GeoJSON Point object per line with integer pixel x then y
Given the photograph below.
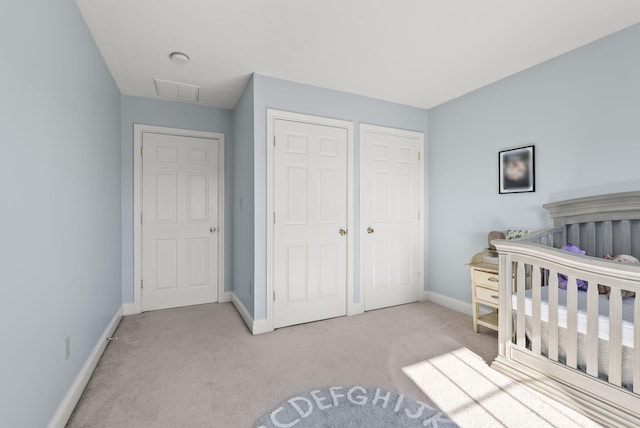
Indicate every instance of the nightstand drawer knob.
{"type": "Point", "coordinates": [493, 279]}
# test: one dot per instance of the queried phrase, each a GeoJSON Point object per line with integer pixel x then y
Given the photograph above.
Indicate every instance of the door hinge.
{"type": "Point", "coordinates": [141, 283]}
{"type": "Point", "coordinates": [418, 155]}
{"type": "Point", "coordinates": [274, 141]}
{"type": "Point", "coordinates": [274, 218]}
{"type": "Point", "coordinates": [141, 150]}
{"type": "Point", "coordinates": [140, 217]}
{"type": "Point", "coordinates": [418, 215]}
{"type": "Point", "coordinates": [274, 295]}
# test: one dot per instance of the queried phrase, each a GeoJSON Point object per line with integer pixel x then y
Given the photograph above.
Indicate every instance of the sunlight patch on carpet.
{"type": "Point", "coordinates": [472, 394]}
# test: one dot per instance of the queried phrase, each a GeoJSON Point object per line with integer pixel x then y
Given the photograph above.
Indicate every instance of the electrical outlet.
{"type": "Point", "coordinates": [67, 348]}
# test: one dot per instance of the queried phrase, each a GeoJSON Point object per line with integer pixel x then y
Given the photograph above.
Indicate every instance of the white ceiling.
{"type": "Point", "coordinates": [415, 52]}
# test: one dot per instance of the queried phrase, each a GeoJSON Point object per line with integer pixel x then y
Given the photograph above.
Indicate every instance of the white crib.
{"type": "Point", "coordinates": [579, 347]}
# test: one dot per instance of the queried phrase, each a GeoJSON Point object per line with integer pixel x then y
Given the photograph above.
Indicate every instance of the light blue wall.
{"type": "Point", "coordinates": [582, 112]}
{"type": "Point", "coordinates": [60, 216]}
{"type": "Point", "coordinates": [242, 199]}
{"type": "Point", "coordinates": [284, 95]}
{"type": "Point", "coordinates": [66, 178]}
{"type": "Point", "coordinates": [149, 111]}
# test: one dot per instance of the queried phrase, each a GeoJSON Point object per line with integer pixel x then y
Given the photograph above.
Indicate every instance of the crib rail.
{"type": "Point", "coordinates": [546, 344]}
{"type": "Point", "coordinates": [599, 238]}
{"type": "Point", "coordinates": [550, 237]}
{"type": "Point", "coordinates": [534, 266]}
{"type": "Point", "coordinates": [602, 224]}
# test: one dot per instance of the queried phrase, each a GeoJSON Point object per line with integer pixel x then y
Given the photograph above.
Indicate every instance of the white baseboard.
{"type": "Point", "coordinates": [255, 327]}
{"type": "Point", "coordinates": [60, 418]}
{"type": "Point", "coordinates": [244, 313]}
{"type": "Point", "coordinates": [128, 309]}
{"type": "Point", "coordinates": [260, 326]}
{"type": "Point", "coordinates": [226, 297]}
{"type": "Point", "coordinates": [355, 308]}
{"type": "Point", "coordinates": [448, 302]}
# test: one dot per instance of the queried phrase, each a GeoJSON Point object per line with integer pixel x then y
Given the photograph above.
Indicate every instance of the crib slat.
{"type": "Point", "coordinates": [634, 237]}
{"type": "Point", "coordinates": [574, 234]}
{"type": "Point", "coordinates": [560, 238]}
{"type": "Point", "coordinates": [625, 237]}
{"type": "Point", "coordinates": [615, 337]}
{"type": "Point", "coordinates": [636, 344]}
{"type": "Point", "coordinates": [572, 322]}
{"type": "Point", "coordinates": [591, 239]}
{"type": "Point", "coordinates": [607, 240]}
{"type": "Point", "coordinates": [553, 315]}
{"type": "Point", "coordinates": [505, 317]}
{"type": "Point", "coordinates": [520, 287]}
{"type": "Point", "coordinates": [536, 295]}
{"type": "Point", "coordinates": [592, 330]}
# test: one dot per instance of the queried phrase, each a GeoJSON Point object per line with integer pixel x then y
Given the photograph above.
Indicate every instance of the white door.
{"type": "Point", "coordinates": [310, 219]}
{"type": "Point", "coordinates": [391, 188]}
{"type": "Point", "coordinates": [180, 220]}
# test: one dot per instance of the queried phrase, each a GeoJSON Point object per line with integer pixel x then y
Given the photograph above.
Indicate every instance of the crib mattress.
{"type": "Point", "coordinates": [603, 309]}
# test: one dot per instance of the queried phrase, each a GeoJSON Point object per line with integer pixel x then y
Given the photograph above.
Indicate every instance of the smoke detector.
{"type": "Point", "coordinates": [179, 57]}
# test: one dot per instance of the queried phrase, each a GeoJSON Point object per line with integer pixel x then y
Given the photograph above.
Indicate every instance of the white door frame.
{"type": "Point", "coordinates": [364, 127]}
{"type": "Point", "coordinates": [272, 116]}
{"type": "Point", "coordinates": [138, 131]}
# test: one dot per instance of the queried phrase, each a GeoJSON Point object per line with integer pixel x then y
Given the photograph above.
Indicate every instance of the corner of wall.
{"type": "Point", "coordinates": [254, 326]}
{"type": "Point", "coordinates": [448, 302]}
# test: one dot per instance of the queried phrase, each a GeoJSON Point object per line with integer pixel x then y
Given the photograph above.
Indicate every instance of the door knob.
{"type": "Point", "coordinates": [369, 230]}
{"type": "Point", "coordinates": [342, 232]}
{"type": "Point", "coordinates": [212, 229]}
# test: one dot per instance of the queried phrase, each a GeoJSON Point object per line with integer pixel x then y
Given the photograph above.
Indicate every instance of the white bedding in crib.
{"type": "Point", "coordinates": [603, 309]}
{"type": "Point", "coordinates": [603, 331]}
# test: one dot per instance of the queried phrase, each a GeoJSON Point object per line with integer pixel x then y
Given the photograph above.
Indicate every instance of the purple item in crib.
{"type": "Point", "coordinates": [562, 279]}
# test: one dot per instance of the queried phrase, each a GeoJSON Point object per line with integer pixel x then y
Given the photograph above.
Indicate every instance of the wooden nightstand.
{"type": "Point", "coordinates": [485, 281]}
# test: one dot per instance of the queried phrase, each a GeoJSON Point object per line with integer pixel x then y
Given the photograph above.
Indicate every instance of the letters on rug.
{"type": "Point", "coordinates": [353, 406]}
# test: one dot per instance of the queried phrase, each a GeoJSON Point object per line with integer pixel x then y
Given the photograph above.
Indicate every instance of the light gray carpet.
{"type": "Point", "coordinates": [199, 366]}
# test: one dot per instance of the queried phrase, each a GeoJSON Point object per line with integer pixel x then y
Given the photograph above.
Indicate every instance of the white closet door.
{"type": "Point", "coordinates": [180, 220]}
{"type": "Point", "coordinates": [391, 187]}
{"type": "Point", "coordinates": [310, 205]}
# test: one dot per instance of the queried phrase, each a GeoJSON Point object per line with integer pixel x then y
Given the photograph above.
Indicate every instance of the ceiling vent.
{"type": "Point", "coordinates": [177, 90]}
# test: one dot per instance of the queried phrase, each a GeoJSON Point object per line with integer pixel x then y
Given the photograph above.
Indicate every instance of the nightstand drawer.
{"type": "Point", "coordinates": [486, 278]}
{"type": "Point", "coordinates": [488, 295]}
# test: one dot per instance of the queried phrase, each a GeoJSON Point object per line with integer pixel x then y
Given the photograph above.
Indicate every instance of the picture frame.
{"type": "Point", "coordinates": [516, 170]}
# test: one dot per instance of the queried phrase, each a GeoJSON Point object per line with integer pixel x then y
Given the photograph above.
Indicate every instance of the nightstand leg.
{"type": "Point", "coordinates": [475, 317]}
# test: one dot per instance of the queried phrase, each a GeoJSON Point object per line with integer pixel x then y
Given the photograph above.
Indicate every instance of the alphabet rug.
{"type": "Point", "coordinates": [351, 407]}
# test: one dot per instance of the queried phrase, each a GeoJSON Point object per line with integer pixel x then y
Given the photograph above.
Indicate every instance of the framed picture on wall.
{"type": "Point", "coordinates": [516, 170]}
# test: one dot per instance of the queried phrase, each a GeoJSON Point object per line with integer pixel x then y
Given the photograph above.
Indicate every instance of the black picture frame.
{"type": "Point", "coordinates": [516, 170]}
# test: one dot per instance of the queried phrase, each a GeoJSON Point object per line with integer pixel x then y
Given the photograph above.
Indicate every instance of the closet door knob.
{"type": "Point", "coordinates": [342, 232]}
{"type": "Point", "coordinates": [212, 229]}
{"type": "Point", "coordinates": [369, 230]}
